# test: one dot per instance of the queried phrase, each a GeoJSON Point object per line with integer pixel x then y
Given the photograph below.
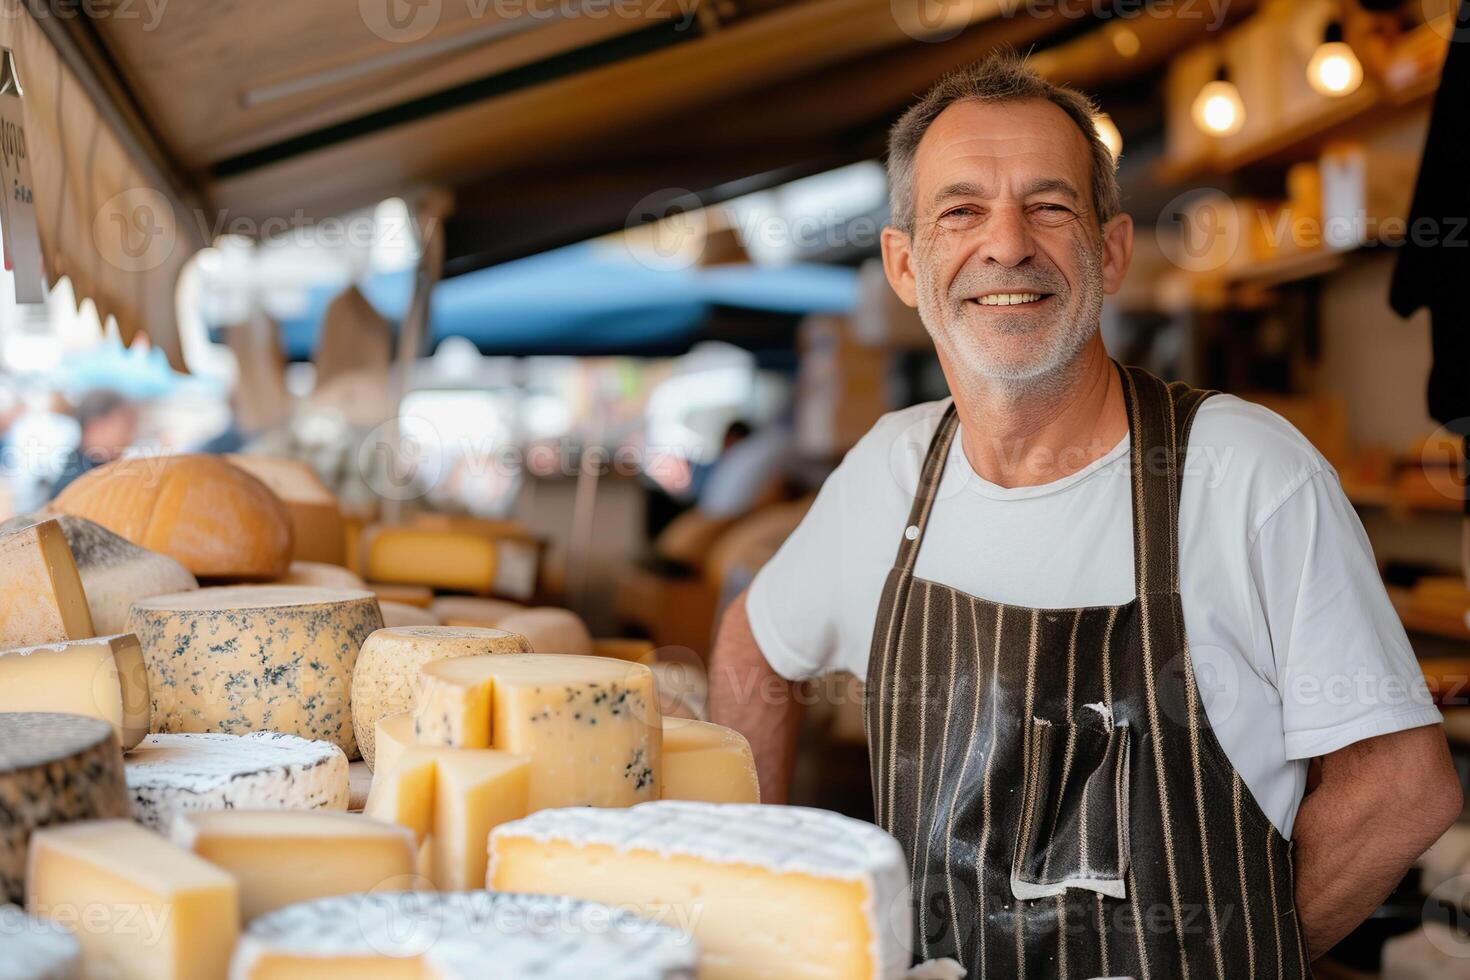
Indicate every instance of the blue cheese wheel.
{"type": "Point", "coordinates": [458, 935]}
{"type": "Point", "coordinates": [54, 768]}
{"type": "Point", "coordinates": [245, 658]}
{"type": "Point", "coordinates": [172, 774]}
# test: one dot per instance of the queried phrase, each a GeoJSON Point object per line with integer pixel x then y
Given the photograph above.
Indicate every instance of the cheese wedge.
{"type": "Point", "coordinates": [101, 678]}
{"type": "Point", "coordinates": [708, 763]}
{"type": "Point", "coordinates": [41, 597]}
{"type": "Point", "coordinates": [387, 664]}
{"type": "Point", "coordinates": [761, 887]}
{"type": "Point", "coordinates": [392, 736]}
{"type": "Point", "coordinates": [280, 857]}
{"type": "Point", "coordinates": [589, 725]}
{"type": "Point", "coordinates": [141, 907]}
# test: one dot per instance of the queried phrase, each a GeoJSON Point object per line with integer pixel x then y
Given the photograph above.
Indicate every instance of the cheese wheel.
{"type": "Point", "coordinates": [316, 517]}
{"type": "Point", "coordinates": [550, 630]}
{"type": "Point", "coordinates": [217, 520]}
{"type": "Point", "coordinates": [459, 936]}
{"type": "Point", "coordinates": [470, 610]}
{"type": "Point", "coordinates": [102, 678]}
{"type": "Point", "coordinates": [115, 572]}
{"type": "Point", "coordinates": [36, 949]}
{"type": "Point", "coordinates": [54, 769]}
{"type": "Point", "coordinates": [237, 659]}
{"type": "Point", "coordinates": [41, 597]}
{"type": "Point", "coordinates": [402, 614]}
{"type": "Point", "coordinates": [321, 575]}
{"type": "Point", "coordinates": [383, 681]}
{"type": "Point", "coordinates": [168, 775]}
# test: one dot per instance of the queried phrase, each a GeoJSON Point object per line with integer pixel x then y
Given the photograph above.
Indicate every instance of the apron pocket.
{"type": "Point", "coordinates": [1073, 831]}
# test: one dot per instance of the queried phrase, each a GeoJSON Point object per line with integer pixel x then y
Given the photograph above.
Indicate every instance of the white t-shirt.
{"type": "Point", "coordinates": [1296, 647]}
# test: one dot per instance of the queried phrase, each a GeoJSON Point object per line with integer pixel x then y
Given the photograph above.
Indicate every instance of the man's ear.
{"type": "Point", "coordinates": [898, 265]}
{"type": "Point", "coordinates": [1117, 238]}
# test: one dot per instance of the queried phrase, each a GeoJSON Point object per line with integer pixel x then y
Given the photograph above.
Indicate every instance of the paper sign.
{"type": "Point", "coordinates": [17, 201]}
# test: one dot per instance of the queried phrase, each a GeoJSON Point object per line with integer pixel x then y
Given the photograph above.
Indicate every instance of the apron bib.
{"type": "Point", "coordinates": [1051, 774]}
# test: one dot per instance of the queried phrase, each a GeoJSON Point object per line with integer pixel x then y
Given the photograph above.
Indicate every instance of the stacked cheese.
{"type": "Point", "coordinates": [763, 888]}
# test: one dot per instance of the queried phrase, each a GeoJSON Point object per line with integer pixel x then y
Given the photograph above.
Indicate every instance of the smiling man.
{"type": "Point", "coordinates": [1106, 622]}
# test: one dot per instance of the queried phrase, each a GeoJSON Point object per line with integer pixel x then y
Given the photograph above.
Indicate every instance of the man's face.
{"type": "Point", "coordinates": [1006, 264]}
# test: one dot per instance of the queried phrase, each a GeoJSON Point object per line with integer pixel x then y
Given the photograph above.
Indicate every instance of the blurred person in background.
{"type": "Point", "coordinates": [108, 424]}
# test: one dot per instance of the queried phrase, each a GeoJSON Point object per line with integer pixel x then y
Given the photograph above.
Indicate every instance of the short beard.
{"type": "Point", "coordinates": [1050, 371]}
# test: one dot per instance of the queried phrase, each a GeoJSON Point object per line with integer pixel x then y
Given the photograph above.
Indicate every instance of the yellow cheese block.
{"type": "Point", "coordinates": [103, 677]}
{"type": "Point", "coordinates": [281, 857]}
{"type": "Point", "coordinates": [141, 907]}
{"type": "Point", "coordinates": [460, 561]}
{"type": "Point", "coordinates": [389, 661]}
{"type": "Point", "coordinates": [391, 736]}
{"type": "Point", "coordinates": [316, 518]}
{"type": "Point", "coordinates": [762, 888]}
{"type": "Point", "coordinates": [707, 762]}
{"type": "Point", "coordinates": [322, 575]}
{"type": "Point", "coordinates": [41, 597]}
{"type": "Point", "coordinates": [590, 725]}
{"type": "Point", "coordinates": [240, 659]}
{"type": "Point", "coordinates": [550, 630]}
{"type": "Point", "coordinates": [214, 518]}
{"type": "Point", "coordinates": [455, 797]}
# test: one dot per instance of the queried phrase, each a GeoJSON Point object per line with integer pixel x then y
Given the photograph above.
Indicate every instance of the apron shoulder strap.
{"type": "Point", "coordinates": [929, 476]}
{"type": "Point", "coordinates": [1159, 418]}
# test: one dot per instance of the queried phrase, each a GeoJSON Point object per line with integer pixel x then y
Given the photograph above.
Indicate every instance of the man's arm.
{"type": "Point", "coordinates": [1379, 805]}
{"type": "Point", "coordinates": [747, 695]}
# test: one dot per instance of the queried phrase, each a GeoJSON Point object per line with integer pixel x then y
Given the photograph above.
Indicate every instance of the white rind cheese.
{"type": "Point", "coordinates": [239, 659]}
{"type": "Point", "coordinates": [33, 949]}
{"type": "Point", "coordinates": [115, 572]}
{"type": "Point", "coordinates": [783, 842]}
{"type": "Point", "coordinates": [54, 768]}
{"type": "Point", "coordinates": [389, 662]}
{"type": "Point", "coordinates": [457, 936]}
{"type": "Point", "coordinates": [172, 774]}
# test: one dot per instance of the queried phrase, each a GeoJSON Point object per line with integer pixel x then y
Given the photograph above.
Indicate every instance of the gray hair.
{"type": "Point", "coordinates": [1000, 77]}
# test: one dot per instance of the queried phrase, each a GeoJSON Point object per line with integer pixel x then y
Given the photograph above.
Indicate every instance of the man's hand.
{"type": "Point", "coordinates": [1381, 802]}
{"type": "Point", "coordinates": [747, 695]}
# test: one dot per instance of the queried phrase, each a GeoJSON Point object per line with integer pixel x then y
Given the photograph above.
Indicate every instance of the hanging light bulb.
{"type": "Point", "coordinates": [1218, 109]}
{"type": "Point", "coordinates": [1334, 69]}
{"type": "Point", "coordinates": [1107, 131]}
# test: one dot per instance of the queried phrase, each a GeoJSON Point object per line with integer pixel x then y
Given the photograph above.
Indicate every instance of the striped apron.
{"type": "Point", "coordinates": [1051, 774]}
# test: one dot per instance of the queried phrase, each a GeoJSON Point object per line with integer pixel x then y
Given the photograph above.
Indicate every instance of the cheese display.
{"type": "Point", "coordinates": [142, 908]}
{"type": "Point", "coordinates": [590, 726]}
{"type": "Point", "coordinates": [459, 936]}
{"type": "Point", "coordinates": [172, 774]}
{"type": "Point", "coordinates": [550, 630]}
{"type": "Point", "coordinates": [683, 689]}
{"type": "Point", "coordinates": [454, 797]}
{"type": "Point", "coordinates": [762, 887]}
{"type": "Point", "coordinates": [281, 857]}
{"type": "Point", "coordinates": [633, 651]}
{"type": "Point", "coordinates": [36, 949]}
{"type": "Point", "coordinates": [237, 659]}
{"type": "Point", "coordinates": [214, 518]}
{"type": "Point", "coordinates": [101, 678]}
{"type": "Point", "coordinates": [471, 610]}
{"type": "Point", "coordinates": [419, 596]}
{"type": "Point", "coordinates": [709, 763]}
{"type": "Point", "coordinates": [41, 597]}
{"type": "Point", "coordinates": [391, 736]}
{"type": "Point", "coordinates": [54, 768]}
{"type": "Point", "coordinates": [115, 572]}
{"type": "Point", "coordinates": [321, 574]}
{"type": "Point", "coordinates": [316, 518]}
{"type": "Point", "coordinates": [460, 561]}
{"type": "Point", "coordinates": [402, 614]}
{"type": "Point", "coordinates": [383, 679]}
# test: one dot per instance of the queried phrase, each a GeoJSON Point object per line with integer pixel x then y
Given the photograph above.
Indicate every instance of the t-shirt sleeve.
{"type": "Point", "coordinates": [1344, 667]}
{"type": "Point", "coordinates": [794, 602]}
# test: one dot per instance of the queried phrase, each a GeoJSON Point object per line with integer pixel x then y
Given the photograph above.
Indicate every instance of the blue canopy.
{"type": "Point", "coordinates": [586, 299]}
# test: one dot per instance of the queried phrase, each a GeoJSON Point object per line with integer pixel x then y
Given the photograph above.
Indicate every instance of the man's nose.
{"type": "Point", "coordinates": [1007, 238]}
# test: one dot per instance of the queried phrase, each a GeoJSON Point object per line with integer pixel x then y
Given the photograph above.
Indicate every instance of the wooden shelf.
{"type": "Point", "coordinates": [1448, 627]}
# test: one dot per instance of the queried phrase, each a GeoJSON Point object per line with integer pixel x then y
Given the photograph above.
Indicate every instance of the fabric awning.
{"type": "Point", "coordinates": [108, 220]}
